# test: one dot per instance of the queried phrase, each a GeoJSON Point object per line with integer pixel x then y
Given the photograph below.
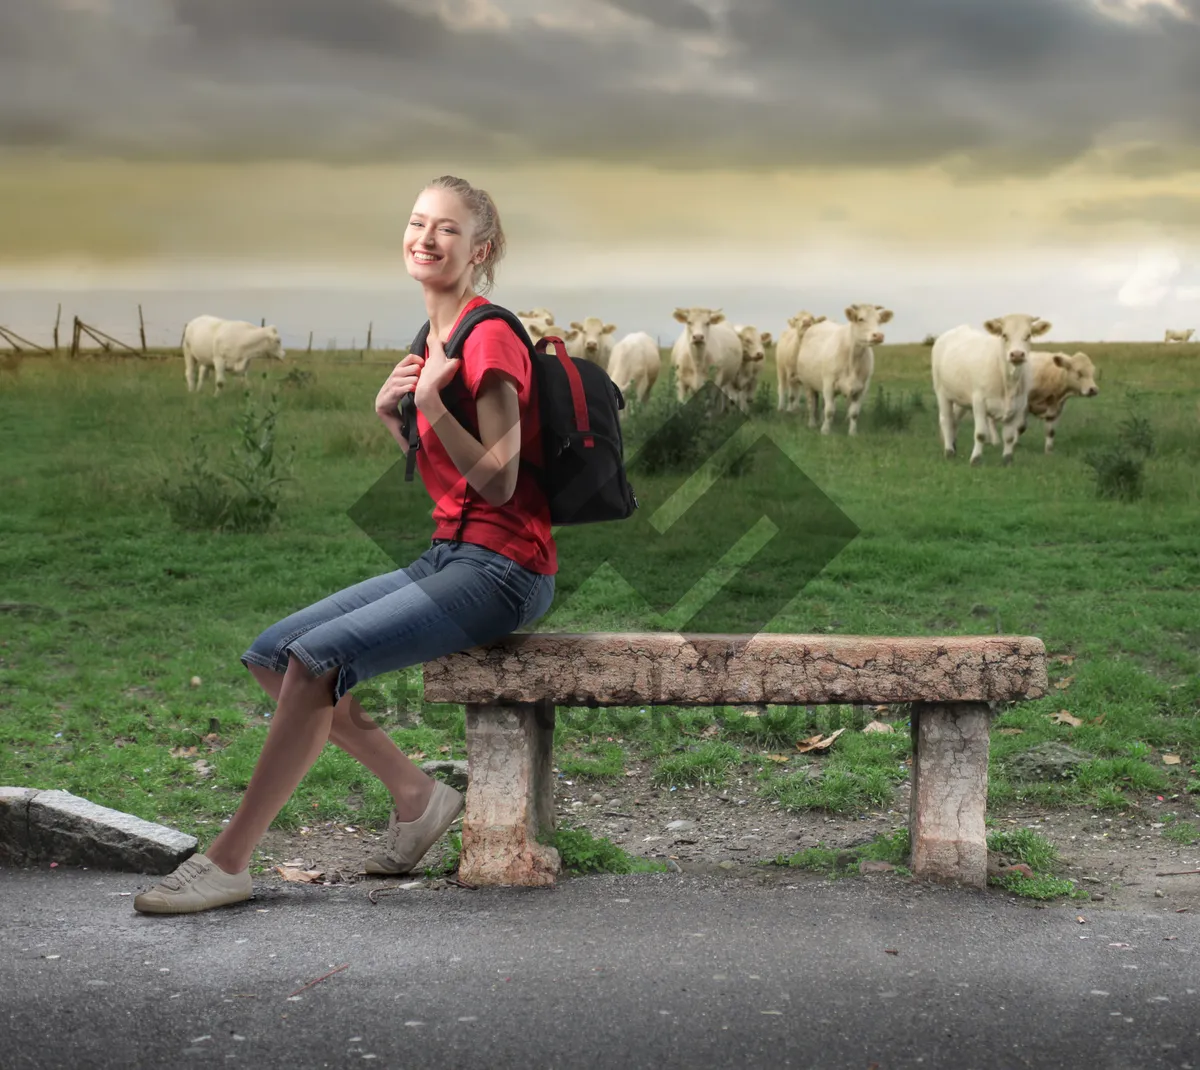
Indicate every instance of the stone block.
{"type": "Point", "coordinates": [14, 825]}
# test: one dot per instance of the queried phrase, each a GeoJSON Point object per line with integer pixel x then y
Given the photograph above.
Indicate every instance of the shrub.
{"type": "Point", "coordinates": [1120, 468]}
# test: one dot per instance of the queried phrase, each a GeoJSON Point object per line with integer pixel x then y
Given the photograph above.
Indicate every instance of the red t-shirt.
{"type": "Point", "coordinates": [519, 529]}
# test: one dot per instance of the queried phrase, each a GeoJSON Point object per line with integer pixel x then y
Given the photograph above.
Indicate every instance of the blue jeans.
{"type": "Point", "coordinates": [453, 597]}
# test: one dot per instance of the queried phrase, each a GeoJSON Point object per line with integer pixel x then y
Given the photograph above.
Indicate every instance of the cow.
{"type": "Point", "coordinates": [220, 344]}
{"type": "Point", "coordinates": [538, 322]}
{"type": "Point", "coordinates": [990, 374]}
{"type": "Point", "coordinates": [785, 359]}
{"type": "Point", "coordinates": [1055, 378]}
{"type": "Point", "coordinates": [706, 342]}
{"type": "Point", "coordinates": [754, 354]}
{"type": "Point", "coordinates": [837, 358]}
{"type": "Point", "coordinates": [1178, 336]}
{"type": "Point", "coordinates": [590, 340]}
{"type": "Point", "coordinates": [635, 363]}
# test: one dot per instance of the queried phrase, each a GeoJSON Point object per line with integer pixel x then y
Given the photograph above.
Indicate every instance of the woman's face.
{"type": "Point", "coordinates": [439, 249]}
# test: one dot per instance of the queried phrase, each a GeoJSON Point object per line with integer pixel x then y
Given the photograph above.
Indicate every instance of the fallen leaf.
{"type": "Point", "coordinates": [303, 876]}
{"type": "Point", "coordinates": [817, 743]}
{"type": "Point", "coordinates": [878, 726]}
{"type": "Point", "coordinates": [749, 713]}
{"type": "Point", "coordinates": [183, 752]}
{"type": "Point", "coordinates": [890, 951]}
{"type": "Point", "coordinates": [1064, 683]}
{"type": "Point", "coordinates": [1098, 720]}
{"type": "Point", "coordinates": [1065, 659]}
{"type": "Point", "coordinates": [202, 767]}
{"type": "Point", "coordinates": [445, 749]}
{"type": "Point", "coordinates": [1062, 717]}
{"type": "Point", "coordinates": [882, 709]}
{"type": "Point", "coordinates": [416, 755]}
{"type": "Point", "coordinates": [780, 757]}
{"type": "Point", "coordinates": [1010, 731]}
{"type": "Point", "coordinates": [1170, 759]}
{"type": "Point", "coordinates": [710, 731]}
{"type": "Point", "coordinates": [1081, 919]}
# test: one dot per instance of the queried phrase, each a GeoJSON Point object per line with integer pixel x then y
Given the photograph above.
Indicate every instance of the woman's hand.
{"type": "Point", "coordinates": [403, 380]}
{"type": "Point", "coordinates": [435, 375]}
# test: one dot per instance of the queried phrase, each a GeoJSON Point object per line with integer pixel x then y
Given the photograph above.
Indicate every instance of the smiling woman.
{"type": "Point", "coordinates": [478, 581]}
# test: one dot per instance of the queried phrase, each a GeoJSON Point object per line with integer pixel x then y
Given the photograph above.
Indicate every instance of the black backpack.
{"type": "Point", "coordinates": [583, 469]}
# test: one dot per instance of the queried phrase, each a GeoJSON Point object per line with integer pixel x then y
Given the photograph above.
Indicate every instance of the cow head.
{"type": "Point", "coordinates": [1080, 373]}
{"type": "Point", "coordinates": [1016, 332]}
{"type": "Point", "coordinates": [753, 345]}
{"type": "Point", "coordinates": [275, 345]}
{"type": "Point", "coordinates": [865, 321]}
{"type": "Point", "coordinates": [802, 320]}
{"type": "Point", "coordinates": [592, 328]}
{"type": "Point", "coordinates": [698, 321]}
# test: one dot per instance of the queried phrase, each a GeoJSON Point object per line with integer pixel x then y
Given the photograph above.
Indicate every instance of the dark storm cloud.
{"type": "Point", "coordinates": [987, 88]}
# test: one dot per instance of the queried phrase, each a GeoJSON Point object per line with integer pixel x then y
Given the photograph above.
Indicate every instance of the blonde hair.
{"type": "Point", "coordinates": [487, 226]}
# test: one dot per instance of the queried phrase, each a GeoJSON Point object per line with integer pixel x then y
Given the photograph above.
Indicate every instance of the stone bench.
{"type": "Point", "coordinates": [510, 690]}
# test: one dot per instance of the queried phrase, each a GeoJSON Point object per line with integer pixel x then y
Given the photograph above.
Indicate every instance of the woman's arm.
{"type": "Point", "coordinates": [491, 462]}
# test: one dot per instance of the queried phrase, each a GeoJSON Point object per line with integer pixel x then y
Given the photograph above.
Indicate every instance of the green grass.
{"type": "Point", "coordinates": [108, 608]}
{"type": "Point", "coordinates": [1030, 847]}
{"type": "Point", "coordinates": [887, 847]}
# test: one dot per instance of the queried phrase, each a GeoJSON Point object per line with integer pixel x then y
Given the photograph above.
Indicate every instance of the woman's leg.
{"type": "Point", "coordinates": [354, 732]}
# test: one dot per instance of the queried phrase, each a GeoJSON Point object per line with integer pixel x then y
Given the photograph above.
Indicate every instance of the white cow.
{"type": "Point", "coordinates": [706, 342]}
{"type": "Point", "coordinates": [635, 363]}
{"type": "Point", "coordinates": [754, 353]}
{"type": "Point", "coordinates": [1178, 336]}
{"type": "Point", "coordinates": [1055, 378]}
{"type": "Point", "coordinates": [590, 340]}
{"type": "Point", "coordinates": [785, 359]}
{"type": "Point", "coordinates": [990, 374]}
{"type": "Point", "coordinates": [220, 344]}
{"type": "Point", "coordinates": [538, 322]}
{"type": "Point", "coordinates": [837, 358]}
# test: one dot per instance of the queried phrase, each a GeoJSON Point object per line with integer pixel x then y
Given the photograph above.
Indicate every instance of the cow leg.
{"type": "Point", "coordinates": [781, 380]}
{"type": "Point", "coordinates": [979, 410]}
{"type": "Point", "coordinates": [189, 370]}
{"type": "Point", "coordinates": [1011, 434]}
{"type": "Point", "coordinates": [852, 410]}
{"type": "Point", "coordinates": [948, 422]}
{"type": "Point", "coordinates": [993, 436]}
{"type": "Point", "coordinates": [830, 409]}
{"type": "Point", "coordinates": [1051, 419]}
{"type": "Point", "coordinates": [218, 374]}
{"type": "Point", "coordinates": [810, 397]}
{"type": "Point", "coordinates": [201, 373]}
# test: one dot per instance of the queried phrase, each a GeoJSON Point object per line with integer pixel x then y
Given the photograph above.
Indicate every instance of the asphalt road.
{"type": "Point", "coordinates": [655, 971]}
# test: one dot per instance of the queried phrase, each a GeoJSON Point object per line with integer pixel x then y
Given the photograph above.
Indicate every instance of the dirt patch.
{"type": "Point", "coordinates": [1116, 858]}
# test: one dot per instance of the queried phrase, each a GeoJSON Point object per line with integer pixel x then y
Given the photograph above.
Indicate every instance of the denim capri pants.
{"type": "Point", "coordinates": [453, 597]}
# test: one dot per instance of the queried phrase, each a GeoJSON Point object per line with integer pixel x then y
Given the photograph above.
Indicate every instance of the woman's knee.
{"type": "Point", "coordinates": [268, 679]}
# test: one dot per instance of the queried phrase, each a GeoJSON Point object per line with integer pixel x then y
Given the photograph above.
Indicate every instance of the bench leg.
{"type": "Point", "coordinates": [510, 796]}
{"type": "Point", "coordinates": [949, 792]}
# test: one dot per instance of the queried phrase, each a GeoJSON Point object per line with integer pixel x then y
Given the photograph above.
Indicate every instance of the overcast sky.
{"type": "Point", "coordinates": [945, 157]}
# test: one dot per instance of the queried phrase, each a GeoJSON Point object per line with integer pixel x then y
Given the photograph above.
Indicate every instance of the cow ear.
{"type": "Point", "coordinates": [576, 325]}
{"type": "Point", "coordinates": [1040, 327]}
{"type": "Point", "coordinates": [794, 321]}
{"type": "Point", "coordinates": [1060, 360]}
{"type": "Point", "coordinates": [994, 326]}
{"type": "Point", "coordinates": [819, 319]}
{"type": "Point", "coordinates": [886, 315]}
{"type": "Point", "coordinates": [681, 315]}
{"type": "Point", "coordinates": [766, 338]}
{"type": "Point", "coordinates": [717, 316]}
{"type": "Point", "coordinates": [609, 328]}
{"type": "Point", "coordinates": [1083, 355]}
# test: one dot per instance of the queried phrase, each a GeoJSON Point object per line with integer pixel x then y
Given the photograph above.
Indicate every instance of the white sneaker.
{"type": "Point", "coordinates": [407, 841]}
{"type": "Point", "coordinates": [198, 884]}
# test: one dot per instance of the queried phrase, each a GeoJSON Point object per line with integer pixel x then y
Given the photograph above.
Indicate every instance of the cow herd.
{"type": "Point", "coordinates": [994, 373]}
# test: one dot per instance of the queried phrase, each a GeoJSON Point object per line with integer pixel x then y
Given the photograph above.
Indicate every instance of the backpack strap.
{"type": "Point", "coordinates": [408, 411]}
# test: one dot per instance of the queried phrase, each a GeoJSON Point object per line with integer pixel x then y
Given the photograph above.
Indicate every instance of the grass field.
{"type": "Point", "coordinates": [110, 608]}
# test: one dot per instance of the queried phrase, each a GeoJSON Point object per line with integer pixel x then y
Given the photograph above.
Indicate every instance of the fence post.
{"type": "Point", "coordinates": [57, 319]}
{"type": "Point", "coordinates": [142, 328]}
{"type": "Point", "coordinates": [264, 321]}
{"type": "Point", "coordinates": [370, 328]}
{"type": "Point", "coordinates": [75, 340]}
{"type": "Point", "coordinates": [310, 341]}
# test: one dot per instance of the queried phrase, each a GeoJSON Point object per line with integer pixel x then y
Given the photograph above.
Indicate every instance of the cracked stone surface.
{"type": "Point", "coordinates": [629, 669]}
{"type": "Point", "coordinates": [510, 797]}
{"type": "Point", "coordinates": [56, 826]}
{"type": "Point", "coordinates": [949, 793]}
